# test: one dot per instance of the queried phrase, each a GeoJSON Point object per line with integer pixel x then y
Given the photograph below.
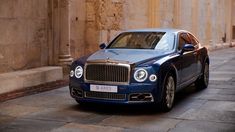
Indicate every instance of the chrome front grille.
{"type": "Point", "coordinates": [102, 95]}
{"type": "Point", "coordinates": [107, 73]}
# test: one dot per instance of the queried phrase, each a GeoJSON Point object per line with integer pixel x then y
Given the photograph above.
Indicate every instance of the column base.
{"type": "Point", "coordinates": [65, 59]}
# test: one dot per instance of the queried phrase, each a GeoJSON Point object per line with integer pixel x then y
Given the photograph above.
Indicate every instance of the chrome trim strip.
{"type": "Point", "coordinates": [85, 96]}
{"type": "Point", "coordinates": [107, 62]}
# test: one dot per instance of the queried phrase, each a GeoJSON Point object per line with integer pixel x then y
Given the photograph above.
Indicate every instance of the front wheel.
{"type": "Point", "coordinates": [203, 81]}
{"type": "Point", "coordinates": [168, 93]}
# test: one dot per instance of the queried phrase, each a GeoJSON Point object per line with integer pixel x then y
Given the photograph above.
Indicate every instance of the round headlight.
{"type": "Point", "coordinates": [140, 75]}
{"type": "Point", "coordinates": [71, 73]}
{"type": "Point", "coordinates": [78, 72]}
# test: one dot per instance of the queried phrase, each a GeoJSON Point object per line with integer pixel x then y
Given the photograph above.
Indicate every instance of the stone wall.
{"type": "Point", "coordinates": [210, 20]}
{"type": "Point", "coordinates": [103, 19]}
{"type": "Point", "coordinates": [233, 20]}
{"type": "Point", "coordinates": [77, 21]}
{"type": "Point", "coordinates": [23, 34]}
{"type": "Point", "coordinates": [36, 33]}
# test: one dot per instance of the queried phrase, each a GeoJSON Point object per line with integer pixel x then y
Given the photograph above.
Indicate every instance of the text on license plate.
{"type": "Point", "coordinates": [104, 88]}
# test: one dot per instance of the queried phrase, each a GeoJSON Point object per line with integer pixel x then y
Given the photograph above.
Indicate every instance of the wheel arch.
{"type": "Point", "coordinates": [207, 60]}
{"type": "Point", "coordinates": [174, 72]}
{"type": "Point", "coordinates": [170, 68]}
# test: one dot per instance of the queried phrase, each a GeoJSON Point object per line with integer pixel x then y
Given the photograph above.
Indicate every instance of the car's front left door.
{"type": "Point", "coordinates": [195, 43]}
{"type": "Point", "coordinates": [187, 60]}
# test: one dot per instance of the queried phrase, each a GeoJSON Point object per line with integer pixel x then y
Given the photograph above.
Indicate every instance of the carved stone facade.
{"type": "Point", "coordinates": [37, 33]}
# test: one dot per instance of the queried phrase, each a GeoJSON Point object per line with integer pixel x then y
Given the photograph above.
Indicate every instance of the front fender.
{"type": "Point", "coordinates": [169, 64]}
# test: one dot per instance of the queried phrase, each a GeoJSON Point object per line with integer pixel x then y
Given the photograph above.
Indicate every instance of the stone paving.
{"type": "Point", "coordinates": [208, 110]}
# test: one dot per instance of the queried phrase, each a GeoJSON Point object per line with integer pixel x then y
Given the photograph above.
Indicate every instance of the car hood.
{"type": "Point", "coordinates": [131, 56]}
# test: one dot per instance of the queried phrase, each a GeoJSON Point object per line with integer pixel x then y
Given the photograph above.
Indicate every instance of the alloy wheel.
{"type": "Point", "coordinates": [170, 91]}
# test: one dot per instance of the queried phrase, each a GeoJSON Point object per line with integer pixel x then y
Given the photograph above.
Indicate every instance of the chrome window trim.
{"type": "Point", "coordinates": [108, 62]}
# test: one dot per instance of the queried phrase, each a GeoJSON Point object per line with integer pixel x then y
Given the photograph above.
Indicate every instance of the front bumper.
{"type": "Point", "coordinates": [134, 93]}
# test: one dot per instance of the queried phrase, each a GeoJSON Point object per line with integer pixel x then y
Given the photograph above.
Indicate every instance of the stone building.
{"type": "Point", "coordinates": [37, 33]}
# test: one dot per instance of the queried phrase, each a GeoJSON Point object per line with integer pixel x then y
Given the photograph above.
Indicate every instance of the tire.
{"type": "Point", "coordinates": [167, 101]}
{"type": "Point", "coordinates": [203, 81]}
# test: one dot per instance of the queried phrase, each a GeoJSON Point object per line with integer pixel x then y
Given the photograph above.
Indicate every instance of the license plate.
{"type": "Point", "coordinates": [104, 88]}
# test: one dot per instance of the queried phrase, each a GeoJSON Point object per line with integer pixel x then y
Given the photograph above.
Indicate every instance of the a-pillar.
{"type": "Point", "coordinates": [64, 33]}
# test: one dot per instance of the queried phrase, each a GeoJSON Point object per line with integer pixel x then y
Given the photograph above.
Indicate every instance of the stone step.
{"type": "Point", "coordinates": [17, 80]}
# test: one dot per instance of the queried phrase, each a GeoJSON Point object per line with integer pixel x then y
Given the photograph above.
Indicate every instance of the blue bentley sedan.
{"type": "Point", "coordinates": [141, 66]}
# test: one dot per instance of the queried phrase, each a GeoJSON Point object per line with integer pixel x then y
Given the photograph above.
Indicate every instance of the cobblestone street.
{"type": "Point", "coordinates": [208, 110]}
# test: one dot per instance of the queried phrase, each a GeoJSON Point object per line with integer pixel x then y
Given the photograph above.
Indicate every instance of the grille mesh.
{"type": "Point", "coordinates": [102, 95]}
{"type": "Point", "coordinates": [107, 73]}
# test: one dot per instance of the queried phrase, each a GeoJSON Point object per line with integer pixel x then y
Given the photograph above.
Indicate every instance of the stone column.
{"type": "Point", "coordinates": [64, 33]}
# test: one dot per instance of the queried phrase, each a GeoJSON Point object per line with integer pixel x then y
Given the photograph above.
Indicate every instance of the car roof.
{"type": "Point", "coordinates": [167, 30]}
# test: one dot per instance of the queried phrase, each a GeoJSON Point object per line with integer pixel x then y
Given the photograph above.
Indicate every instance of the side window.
{"type": "Point", "coordinates": [183, 39]}
{"type": "Point", "coordinates": [194, 41]}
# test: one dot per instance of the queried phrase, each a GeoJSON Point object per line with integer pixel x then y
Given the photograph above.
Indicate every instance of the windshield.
{"type": "Point", "coordinates": [143, 40]}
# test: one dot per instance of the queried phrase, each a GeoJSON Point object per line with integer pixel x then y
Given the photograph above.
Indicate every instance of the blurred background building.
{"type": "Point", "coordinates": [37, 33]}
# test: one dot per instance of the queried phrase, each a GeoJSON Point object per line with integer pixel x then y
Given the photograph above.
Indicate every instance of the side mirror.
{"type": "Point", "coordinates": [102, 46]}
{"type": "Point", "coordinates": [188, 47]}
